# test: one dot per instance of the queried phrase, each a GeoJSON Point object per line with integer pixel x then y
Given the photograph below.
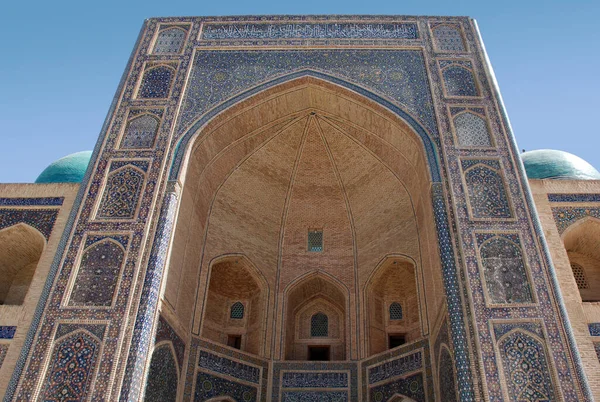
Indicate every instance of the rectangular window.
{"type": "Point", "coordinates": [396, 340]}
{"type": "Point", "coordinates": [234, 341]}
{"type": "Point", "coordinates": [315, 240]}
{"type": "Point", "coordinates": [318, 353]}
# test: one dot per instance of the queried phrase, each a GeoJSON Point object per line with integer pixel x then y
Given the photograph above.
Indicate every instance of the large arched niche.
{"type": "Point", "coordinates": [303, 155]}
{"type": "Point", "coordinates": [394, 305]}
{"type": "Point", "coordinates": [21, 247]}
{"type": "Point", "coordinates": [306, 299]}
{"type": "Point", "coordinates": [582, 242]}
{"type": "Point", "coordinates": [235, 302]}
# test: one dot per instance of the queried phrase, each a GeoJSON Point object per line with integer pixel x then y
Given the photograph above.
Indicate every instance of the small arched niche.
{"type": "Point", "coordinates": [315, 320]}
{"type": "Point", "coordinates": [582, 242]}
{"type": "Point", "coordinates": [392, 305]}
{"type": "Point", "coordinates": [21, 247]}
{"type": "Point", "coordinates": [234, 311]}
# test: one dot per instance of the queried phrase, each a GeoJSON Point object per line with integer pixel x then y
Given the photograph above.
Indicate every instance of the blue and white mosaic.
{"type": "Point", "coordinates": [222, 365]}
{"type": "Point", "coordinates": [209, 386]}
{"type": "Point", "coordinates": [314, 380]}
{"type": "Point", "coordinates": [574, 197]}
{"type": "Point", "coordinates": [7, 331]}
{"type": "Point", "coordinates": [41, 219]}
{"type": "Point", "coordinates": [396, 367]}
{"type": "Point", "coordinates": [162, 376]}
{"type": "Point", "coordinates": [566, 216]}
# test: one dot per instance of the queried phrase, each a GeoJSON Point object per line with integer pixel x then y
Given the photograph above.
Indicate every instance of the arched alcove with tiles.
{"type": "Point", "coordinates": [582, 242]}
{"type": "Point", "coordinates": [21, 247]}
{"type": "Point", "coordinates": [315, 320]}
{"type": "Point", "coordinates": [234, 311]}
{"type": "Point", "coordinates": [393, 307]}
{"type": "Point", "coordinates": [315, 185]}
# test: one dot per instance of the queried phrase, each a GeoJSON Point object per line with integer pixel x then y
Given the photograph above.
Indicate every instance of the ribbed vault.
{"type": "Point", "coordinates": [307, 156]}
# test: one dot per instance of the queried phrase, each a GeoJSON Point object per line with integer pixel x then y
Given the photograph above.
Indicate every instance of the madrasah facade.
{"type": "Point", "coordinates": [303, 208]}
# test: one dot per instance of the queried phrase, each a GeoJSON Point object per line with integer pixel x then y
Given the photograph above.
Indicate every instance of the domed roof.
{"type": "Point", "coordinates": [553, 164]}
{"type": "Point", "coordinates": [69, 169]}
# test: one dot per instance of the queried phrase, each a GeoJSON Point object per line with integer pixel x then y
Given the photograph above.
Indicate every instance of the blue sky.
{"type": "Point", "coordinates": [62, 61]}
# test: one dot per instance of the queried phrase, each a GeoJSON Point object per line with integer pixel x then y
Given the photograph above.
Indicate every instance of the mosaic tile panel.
{"type": "Point", "coordinates": [223, 365]}
{"type": "Point", "coordinates": [63, 329]}
{"type": "Point", "coordinates": [209, 386]}
{"type": "Point", "coordinates": [140, 132]}
{"type": "Point", "coordinates": [7, 331]}
{"type": "Point", "coordinates": [3, 352]}
{"type": "Point", "coordinates": [164, 332]}
{"type": "Point", "coordinates": [41, 219]}
{"type": "Point", "coordinates": [446, 377]}
{"type": "Point", "coordinates": [304, 30]}
{"type": "Point", "coordinates": [98, 274]}
{"type": "Point", "coordinates": [170, 40]}
{"type": "Point", "coordinates": [448, 38]}
{"type": "Point", "coordinates": [504, 268]}
{"type": "Point", "coordinates": [321, 378]}
{"type": "Point", "coordinates": [396, 367]}
{"type": "Point", "coordinates": [156, 82]}
{"type": "Point", "coordinates": [471, 130]}
{"type": "Point", "coordinates": [597, 349]}
{"type": "Point", "coordinates": [486, 192]}
{"type": "Point", "coordinates": [121, 194]}
{"type": "Point", "coordinates": [574, 197]}
{"type": "Point", "coordinates": [566, 216]}
{"type": "Point", "coordinates": [411, 386]}
{"type": "Point", "coordinates": [218, 75]}
{"type": "Point", "coordinates": [314, 396]}
{"type": "Point", "coordinates": [72, 363]}
{"type": "Point", "coordinates": [163, 378]}
{"type": "Point", "coordinates": [594, 329]}
{"type": "Point", "coordinates": [143, 329]}
{"type": "Point", "coordinates": [526, 368]}
{"type": "Point", "coordinates": [314, 380]}
{"type": "Point", "coordinates": [31, 202]}
{"type": "Point", "coordinates": [459, 80]}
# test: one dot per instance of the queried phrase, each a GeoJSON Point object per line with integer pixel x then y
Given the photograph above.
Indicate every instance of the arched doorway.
{"type": "Point", "coordinates": [582, 241]}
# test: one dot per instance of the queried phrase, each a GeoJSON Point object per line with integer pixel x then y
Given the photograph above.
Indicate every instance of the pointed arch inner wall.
{"type": "Point", "coordinates": [303, 155]}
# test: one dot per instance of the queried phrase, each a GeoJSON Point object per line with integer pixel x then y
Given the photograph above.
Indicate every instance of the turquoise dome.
{"type": "Point", "coordinates": [69, 169]}
{"type": "Point", "coordinates": [552, 164]}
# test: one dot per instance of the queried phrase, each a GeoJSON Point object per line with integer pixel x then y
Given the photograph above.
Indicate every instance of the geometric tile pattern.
{"type": "Point", "coordinates": [41, 219]}
{"type": "Point", "coordinates": [121, 194]}
{"type": "Point", "coordinates": [574, 197]}
{"type": "Point", "coordinates": [447, 379]}
{"type": "Point", "coordinates": [3, 352]}
{"type": "Point", "coordinates": [140, 132]}
{"type": "Point", "coordinates": [566, 216]}
{"type": "Point", "coordinates": [237, 311]}
{"type": "Point", "coordinates": [164, 332]}
{"type": "Point", "coordinates": [472, 130]}
{"type": "Point", "coordinates": [594, 328]}
{"type": "Point", "coordinates": [156, 82]}
{"type": "Point", "coordinates": [579, 274]}
{"type": "Point", "coordinates": [397, 367]}
{"type": "Point", "coordinates": [314, 380]}
{"type": "Point", "coordinates": [98, 274]}
{"type": "Point", "coordinates": [314, 396]}
{"type": "Point", "coordinates": [486, 190]}
{"type": "Point", "coordinates": [34, 201]}
{"type": "Point", "coordinates": [170, 40]}
{"type": "Point", "coordinates": [223, 365]}
{"type": "Point", "coordinates": [72, 363]}
{"type": "Point", "coordinates": [448, 38]}
{"type": "Point", "coordinates": [209, 386]}
{"type": "Point", "coordinates": [411, 386]}
{"type": "Point", "coordinates": [459, 79]}
{"type": "Point", "coordinates": [162, 376]}
{"type": "Point", "coordinates": [7, 332]}
{"type": "Point", "coordinates": [526, 368]}
{"type": "Point", "coordinates": [503, 268]}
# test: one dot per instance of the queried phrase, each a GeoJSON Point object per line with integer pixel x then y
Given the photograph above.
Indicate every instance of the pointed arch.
{"type": "Point", "coordinates": [460, 81]}
{"type": "Point", "coordinates": [98, 274]}
{"type": "Point", "coordinates": [121, 193]}
{"type": "Point", "coordinates": [471, 129]}
{"type": "Point", "coordinates": [156, 82]}
{"type": "Point", "coordinates": [486, 192]}
{"type": "Point", "coordinates": [182, 149]}
{"type": "Point", "coordinates": [580, 240]}
{"type": "Point", "coordinates": [169, 40]}
{"type": "Point", "coordinates": [140, 132]}
{"type": "Point", "coordinates": [448, 38]}
{"type": "Point", "coordinates": [163, 374]}
{"type": "Point", "coordinates": [21, 248]}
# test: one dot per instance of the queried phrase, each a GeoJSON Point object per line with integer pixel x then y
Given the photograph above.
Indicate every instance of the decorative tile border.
{"type": "Point", "coordinates": [32, 202]}
{"type": "Point", "coordinates": [566, 216]}
{"type": "Point", "coordinates": [574, 197]}
{"type": "Point", "coordinates": [7, 332]}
